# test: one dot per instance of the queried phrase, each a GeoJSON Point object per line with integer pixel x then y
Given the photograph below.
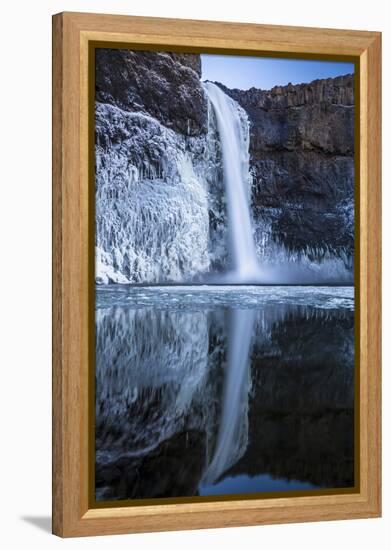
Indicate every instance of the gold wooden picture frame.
{"type": "Point", "coordinates": [75, 36]}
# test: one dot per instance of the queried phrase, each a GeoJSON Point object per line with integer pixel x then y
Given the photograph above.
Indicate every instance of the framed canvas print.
{"type": "Point", "coordinates": [216, 274]}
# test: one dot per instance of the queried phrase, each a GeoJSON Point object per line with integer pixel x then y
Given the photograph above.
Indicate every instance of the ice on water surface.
{"type": "Point", "coordinates": [241, 296]}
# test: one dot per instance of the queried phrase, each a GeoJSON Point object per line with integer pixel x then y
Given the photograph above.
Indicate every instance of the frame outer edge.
{"type": "Point", "coordinates": [374, 274]}
{"type": "Point", "coordinates": [68, 517]}
{"type": "Point", "coordinates": [57, 164]}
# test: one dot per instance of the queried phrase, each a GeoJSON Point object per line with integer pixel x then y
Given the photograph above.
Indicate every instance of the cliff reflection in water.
{"type": "Point", "coordinates": [223, 390]}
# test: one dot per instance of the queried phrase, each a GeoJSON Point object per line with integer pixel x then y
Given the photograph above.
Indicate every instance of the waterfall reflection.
{"type": "Point", "coordinates": [198, 394]}
{"type": "Point", "coordinates": [232, 434]}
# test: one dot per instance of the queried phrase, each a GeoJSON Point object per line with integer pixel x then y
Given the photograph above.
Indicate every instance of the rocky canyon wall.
{"type": "Point", "coordinates": [301, 151]}
{"type": "Point", "coordinates": [159, 189]}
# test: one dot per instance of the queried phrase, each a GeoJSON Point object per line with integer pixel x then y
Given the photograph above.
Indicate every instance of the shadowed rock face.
{"type": "Point", "coordinates": [165, 86]}
{"type": "Point", "coordinates": [301, 157]}
{"type": "Point", "coordinates": [315, 116]}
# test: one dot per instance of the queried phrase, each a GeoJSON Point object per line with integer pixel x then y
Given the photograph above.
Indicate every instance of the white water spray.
{"type": "Point", "coordinates": [234, 139]}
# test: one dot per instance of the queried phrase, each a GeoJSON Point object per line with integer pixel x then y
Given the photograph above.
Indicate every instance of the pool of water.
{"type": "Point", "coordinates": [222, 390]}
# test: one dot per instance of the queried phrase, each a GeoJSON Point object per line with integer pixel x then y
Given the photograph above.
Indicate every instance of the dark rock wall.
{"type": "Point", "coordinates": [301, 144]}
{"type": "Point", "coordinates": [301, 154]}
{"type": "Point", "coordinates": [165, 86]}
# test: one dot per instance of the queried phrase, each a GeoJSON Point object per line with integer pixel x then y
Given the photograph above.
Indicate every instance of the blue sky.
{"type": "Point", "coordinates": [266, 72]}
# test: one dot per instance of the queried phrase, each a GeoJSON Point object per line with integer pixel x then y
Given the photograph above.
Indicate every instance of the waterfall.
{"type": "Point", "coordinates": [176, 209]}
{"type": "Point", "coordinates": [234, 139]}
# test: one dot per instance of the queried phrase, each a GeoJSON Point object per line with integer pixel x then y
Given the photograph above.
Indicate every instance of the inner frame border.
{"type": "Point", "coordinates": [130, 503]}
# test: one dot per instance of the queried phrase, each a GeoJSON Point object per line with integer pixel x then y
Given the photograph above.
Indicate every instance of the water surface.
{"type": "Point", "coordinates": [208, 390]}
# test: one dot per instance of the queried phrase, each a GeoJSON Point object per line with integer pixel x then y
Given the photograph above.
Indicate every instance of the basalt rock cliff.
{"type": "Point", "coordinates": [301, 154]}
{"type": "Point", "coordinates": [160, 209]}
{"type": "Point", "coordinates": [164, 85]}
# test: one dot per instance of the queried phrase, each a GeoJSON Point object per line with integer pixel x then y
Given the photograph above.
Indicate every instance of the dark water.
{"type": "Point", "coordinates": [223, 390]}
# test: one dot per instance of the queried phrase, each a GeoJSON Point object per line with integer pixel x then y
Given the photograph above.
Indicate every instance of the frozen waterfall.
{"type": "Point", "coordinates": [234, 137]}
{"type": "Point", "coordinates": [172, 208]}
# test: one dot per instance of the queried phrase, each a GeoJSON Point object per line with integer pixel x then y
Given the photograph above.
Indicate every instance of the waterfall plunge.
{"type": "Point", "coordinates": [235, 154]}
{"type": "Point", "coordinates": [155, 193]}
